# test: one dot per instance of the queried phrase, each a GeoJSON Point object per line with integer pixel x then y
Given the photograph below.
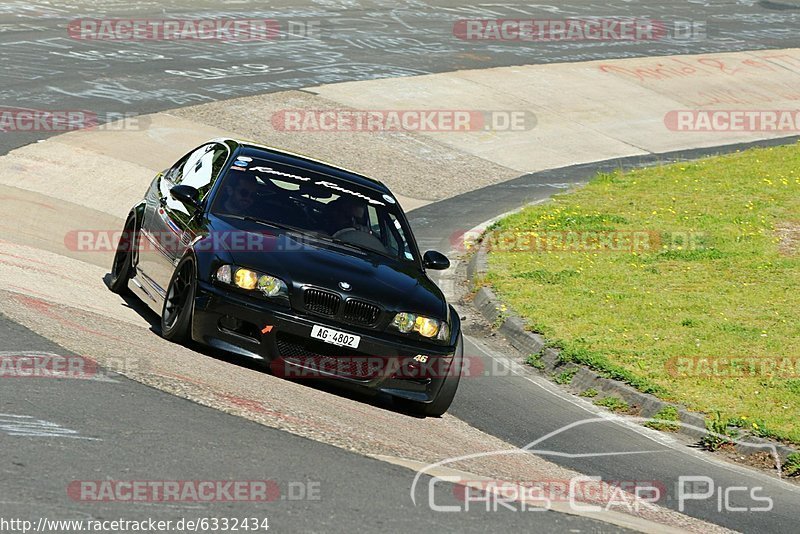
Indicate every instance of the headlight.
{"type": "Point", "coordinates": [224, 274]}
{"type": "Point", "coordinates": [245, 278]}
{"type": "Point", "coordinates": [404, 322]}
{"type": "Point", "coordinates": [270, 286]}
{"type": "Point", "coordinates": [444, 332]}
{"type": "Point", "coordinates": [425, 326]}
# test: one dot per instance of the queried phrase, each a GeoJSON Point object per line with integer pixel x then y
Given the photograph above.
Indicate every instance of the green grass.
{"type": "Point", "coordinates": [666, 420]}
{"type": "Point", "coordinates": [535, 361]}
{"type": "Point", "coordinates": [714, 283]}
{"type": "Point", "coordinates": [613, 403]}
{"type": "Point", "coordinates": [565, 377]}
{"type": "Point", "coordinates": [719, 432]}
{"type": "Point", "coordinates": [792, 465]}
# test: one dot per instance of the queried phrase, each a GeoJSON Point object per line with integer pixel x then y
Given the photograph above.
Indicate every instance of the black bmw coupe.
{"type": "Point", "coordinates": [308, 267]}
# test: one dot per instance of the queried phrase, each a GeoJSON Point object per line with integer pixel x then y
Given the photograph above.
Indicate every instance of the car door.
{"type": "Point", "coordinates": [168, 223]}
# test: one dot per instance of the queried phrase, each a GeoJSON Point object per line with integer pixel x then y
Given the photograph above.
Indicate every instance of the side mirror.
{"type": "Point", "coordinates": [435, 261]}
{"type": "Point", "coordinates": [187, 195]}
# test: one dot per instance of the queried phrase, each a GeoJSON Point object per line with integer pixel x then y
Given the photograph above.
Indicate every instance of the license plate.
{"type": "Point", "coordinates": [334, 337]}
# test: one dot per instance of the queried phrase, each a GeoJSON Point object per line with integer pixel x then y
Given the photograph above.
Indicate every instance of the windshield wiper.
{"type": "Point", "coordinates": [361, 248]}
{"type": "Point", "coordinates": [279, 226]}
{"type": "Point", "coordinates": [310, 233]}
{"type": "Point", "coordinates": [340, 243]}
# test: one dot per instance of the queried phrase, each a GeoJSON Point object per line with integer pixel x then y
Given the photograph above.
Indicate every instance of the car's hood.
{"type": "Point", "coordinates": [395, 285]}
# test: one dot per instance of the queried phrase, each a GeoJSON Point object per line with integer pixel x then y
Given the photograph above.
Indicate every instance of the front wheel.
{"type": "Point", "coordinates": [176, 317]}
{"type": "Point", "coordinates": [122, 268]}
{"type": "Point", "coordinates": [444, 398]}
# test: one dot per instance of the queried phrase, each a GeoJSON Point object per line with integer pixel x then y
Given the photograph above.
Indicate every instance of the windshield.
{"type": "Point", "coordinates": [316, 204]}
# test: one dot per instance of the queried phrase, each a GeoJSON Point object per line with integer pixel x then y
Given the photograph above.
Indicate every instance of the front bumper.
{"type": "Point", "coordinates": [382, 363]}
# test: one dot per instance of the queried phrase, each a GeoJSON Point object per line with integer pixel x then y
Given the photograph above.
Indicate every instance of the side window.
{"type": "Point", "coordinates": [218, 161]}
{"type": "Point", "coordinates": [174, 173]}
{"type": "Point", "coordinates": [201, 167]}
{"type": "Point", "coordinates": [387, 228]}
{"type": "Point", "coordinates": [374, 222]}
{"type": "Point", "coordinates": [399, 241]}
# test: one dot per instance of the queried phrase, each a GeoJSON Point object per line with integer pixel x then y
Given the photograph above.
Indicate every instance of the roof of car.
{"type": "Point", "coordinates": [299, 160]}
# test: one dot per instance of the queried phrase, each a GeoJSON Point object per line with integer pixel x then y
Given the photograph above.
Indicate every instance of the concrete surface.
{"type": "Point", "coordinates": [577, 123]}
{"type": "Point", "coordinates": [71, 174]}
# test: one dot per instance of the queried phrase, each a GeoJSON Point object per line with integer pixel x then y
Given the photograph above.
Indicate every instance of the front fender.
{"type": "Point", "coordinates": [207, 261]}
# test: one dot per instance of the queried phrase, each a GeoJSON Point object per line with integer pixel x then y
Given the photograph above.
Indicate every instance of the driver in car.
{"type": "Point", "coordinates": [348, 213]}
{"type": "Point", "coordinates": [240, 194]}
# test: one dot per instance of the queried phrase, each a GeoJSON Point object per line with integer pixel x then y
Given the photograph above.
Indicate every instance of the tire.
{"type": "Point", "coordinates": [176, 316]}
{"type": "Point", "coordinates": [444, 397]}
{"type": "Point", "coordinates": [122, 268]}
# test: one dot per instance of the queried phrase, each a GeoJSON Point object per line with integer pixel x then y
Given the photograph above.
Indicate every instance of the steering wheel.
{"type": "Point", "coordinates": [360, 238]}
{"type": "Point", "coordinates": [343, 231]}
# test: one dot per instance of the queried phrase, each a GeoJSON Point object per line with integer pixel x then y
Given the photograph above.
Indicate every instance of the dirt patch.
{"type": "Point", "coordinates": [789, 238]}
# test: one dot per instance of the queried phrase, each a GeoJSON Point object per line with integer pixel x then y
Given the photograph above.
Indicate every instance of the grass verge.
{"type": "Point", "coordinates": [682, 280]}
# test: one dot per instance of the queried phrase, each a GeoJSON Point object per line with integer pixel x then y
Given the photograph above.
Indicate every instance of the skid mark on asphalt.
{"type": "Point", "coordinates": [29, 427]}
{"type": "Point", "coordinates": [18, 257]}
{"type": "Point", "coordinates": [27, 267]}
{"type": "Point", "coordinates": [257, 407]}
{"type": "Point", "coordinates": [46, 308]}
{"type": "Point", "coordinates": [85, 291]}
{"type": "Point", "coordinates": [239, 403]}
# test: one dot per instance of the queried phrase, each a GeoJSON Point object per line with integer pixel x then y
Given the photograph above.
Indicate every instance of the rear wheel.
{"type": "Point", "coordinates": [176, 317]}
{"type": "Point", "coordinates": [122, 268]}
